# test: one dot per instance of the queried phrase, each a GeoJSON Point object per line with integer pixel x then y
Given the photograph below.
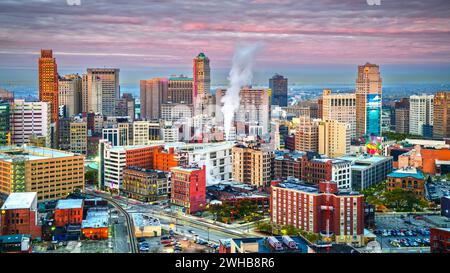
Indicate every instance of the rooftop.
{"type": "Point", "coordinates": [20, 200]}
{"type": "Point", "coordinates": [96, 218]}
{"type": "Point", "coordinates": [141, 220]}
{"type": "Point", "coordinates": [9, 153]}
{"type": "Point", "coordinates": [264, 247]}
{"type": "Point", "coordinates": [16, 238]}
{"type": "Point", "coordinates": [407, 172]}
{"type": "Point", "coordinates": [69, 204]}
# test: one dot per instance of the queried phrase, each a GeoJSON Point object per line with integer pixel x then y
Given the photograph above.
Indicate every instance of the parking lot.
{"type": "Point", "coordinates": [402, 233]}
{"type": "Point", "coordinates": [175, 244]}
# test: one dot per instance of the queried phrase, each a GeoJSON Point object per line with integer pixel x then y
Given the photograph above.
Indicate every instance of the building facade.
{"type": "Point", "coordinates": [421, 111]}
{"type": "Point", "coordinates": [146, 185]}
{"type": "Point", "coordinates": [188, 188]}
{"type": "Point", "coordinates": [69, 88]}
{"type": "Point", "coordinates": [340, 107]}
{"type": "Point", "coordinates": [409, 178]}
{"type": "Point", "coordinates": [153, 95]}
{"type": "Point", "coordinates": [252, 165]}
{"type": "Point", "coordinates": [102, 90]}
{"type": "Point", "coordinates": [279, 90]}
{"type": "Point", "coordinates": [334, 138]}
{"type": "Point", "coordinates": [441, 116]}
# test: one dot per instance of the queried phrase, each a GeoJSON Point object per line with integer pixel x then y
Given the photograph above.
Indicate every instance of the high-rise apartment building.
{"type": "Point", "coordinates": [368, 100]}
{"type": "Point", "coordinates": [252, 165]}
{"type": "Point", "coordinates": [307, 135]}
{"type": "Point", "coordinates": [340, 107]}
{"type": "Point", "coordinates": [70, 88]}
{"type": "Point", "coordinates": [5, 123]}
{"type": "Point", "coordinates": [102, 90]}
{"type": "Point", "coordinates": [53, 174]}
{"type": "Point", "coordinates": [334, 138]}
{"type": "Point", "coordinates": [201, 82]}
{"type": "Point", "coordinates": [279, 90]}
{"type": "Point", "coordinates": [421, 111]}
{"type": "Point", "coordinates": [48, 82]}
{"type": "Point", "coordinates": [153, 94]}
{"type": "Point", "coordinates": [28, 119]}
{"type": "Point", "coordinates": [441, 124]}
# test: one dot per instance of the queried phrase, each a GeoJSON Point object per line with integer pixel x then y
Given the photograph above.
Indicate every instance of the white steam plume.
{"type": "Point", "coordinates": [240, 75]}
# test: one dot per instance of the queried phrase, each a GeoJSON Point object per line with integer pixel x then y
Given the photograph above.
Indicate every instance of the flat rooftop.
{"type": "Point", "coordinates": [141, 220]}
{"type": "Point", "coordinates": [69, 204]}
{"type": "Point", "coordinates": [8, 153]}
{"type": "Point", "coordinates": [264, 247]}
{"type": "Point", "coordinates": [407, 172]}
{"type": "Point", "coordinates": [96, 218]}
{"type": "Point", "coordinates": [20, 200]}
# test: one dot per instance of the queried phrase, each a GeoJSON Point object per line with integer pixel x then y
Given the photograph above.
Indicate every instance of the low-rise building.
{"type": "Point", "coordinates": [17, 243]}
{"type": "Point", "coordinates": [146, 226]}
{"type": "Point", "coordinates": [19, 215]}
{"type": "Point", "coordinates": [368, 170]}
{"type": "Point", "coordinates": [96, 224]}
{"type": "Point", "coordinates": [189, 188]}
{"type": "Point", "coordinates": [69, 212]}
{"type": "Point", "coordinates": [409, 178]}
{"type": "Point", "coordinates": [272, 244]}
{"type": "Point", "coordinates": [440, 240]}
{"type": "Point", "coordinates": [144, 184]}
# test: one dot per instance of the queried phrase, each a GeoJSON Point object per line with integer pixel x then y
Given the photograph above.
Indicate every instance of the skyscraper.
{"type": "Point", "coordinates": [102, 90]}
{"type": "Point", "coordinates": [48, 86]}
{"type": "Point", "coordinates": [70, 87]}
{"type": "Point", "coordinates": [153, 94]}
{"type": "Point", "coordinates": [180, 90]}
{"type": "Point", "coordinates": [368, 100]}
{"type": "Point", "coordinates": [340, 107]}
{"type": "Point", "coordinates": [334, 138]}
{"type": "Point", "coordinates": [279, 88]}
{"type": "Point", "coordinates": [202, 81]}
{"type": "Point", "coordinates": [421, 110]}
{"type": "Point", "coordinates": [441, 124]}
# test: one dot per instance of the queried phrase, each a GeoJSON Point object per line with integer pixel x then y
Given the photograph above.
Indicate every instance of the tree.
{"type": "Point", "coordinates": [91, 176]}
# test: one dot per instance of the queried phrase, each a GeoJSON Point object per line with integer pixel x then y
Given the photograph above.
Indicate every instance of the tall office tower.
{"type": "Point", "coordinates": [402, 116]}
{"type": "Point", "coordinates": [334, 138]}
{"type": "Point", "coordinates": [153, 94]}
{"type": "Point", "coordinates": [5, 123]}
{"type": "Point", "coordinates": [254, 109]}
{"type": "Point", "coordinates": [441, 124]}
{"type": "Point", "coordinates": [180, 90]}
{"type": "Point", "coordinates": [84, 94]}
{"type": "Point", "coordinates": [28, 119]}
{"type": "Point", "coordinates": [368, 100]}
{"type": "Point", "coordinates": [279, 90]}
{"type": "Point", "coordinates": [307, 135]}
{"type": "Point", "coordinates": [201, 82]}
{"type": "Point", "coordinates": [78, 137]}
{"type": "Point", "coordinates": [102, 90]}
{"type": "Point", "coordinates": [421, 110]}
{"type": "Point", "coordinates": [252, 164]}
{"type": "Point", "coordinates": [70, 88]}
{"type": "Point", "coordinates": [48, 82]}
{"type": "Point", "coordinates": [340, 107]}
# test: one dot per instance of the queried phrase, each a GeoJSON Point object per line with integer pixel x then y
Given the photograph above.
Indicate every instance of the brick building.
{"type": "Point", "coordinates": [69, 212]}
{"type": "Point", "coordinates": [19, 215]}
{"type": "Point", "coordinates": [319, 209]}
{"type": "Point", "coordinates": [189, 188]}
{"type": "Point", "coordinates": [440, 240]}
{"type": "Point", "coordinates": [143, 184]}
{"type": "Point", "coordinates": [409, 178]}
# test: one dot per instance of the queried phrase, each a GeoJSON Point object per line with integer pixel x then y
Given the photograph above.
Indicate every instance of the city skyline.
{"type": "Point", "coordinates": [324, 37]}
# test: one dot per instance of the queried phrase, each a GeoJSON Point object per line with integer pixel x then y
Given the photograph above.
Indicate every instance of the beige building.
{"type": "Point", "coordinates": [307, 135]}
{"type": "Point", "coordinates": [368, 82]}
{"type": "Point", "coordinates": [340, 107]}
{"type": "Point", "coordinates": [103, 90]}
{"type": "Point", "coordinates": [141, 130]}
{"type": "Point", "coordinates": [180, 90]}
{"type": "Point", "coordinates": [70, 88]}
{"type": "Point", "coordinates": [334, 138]}
{"type": "Point", "coordinates": [252, 165]}
{"type": "Point", "coordinates": [78, 137]}
{"type": "Point", "coordinates": [53, 174]}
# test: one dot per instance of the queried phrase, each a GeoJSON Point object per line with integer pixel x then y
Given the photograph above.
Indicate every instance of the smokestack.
{"type": "Point", "coordinates": [240, 75]}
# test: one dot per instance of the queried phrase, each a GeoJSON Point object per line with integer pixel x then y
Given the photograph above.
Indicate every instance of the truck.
{"type": "Point", "coordinates": [274, 243]}
{"type": "Point", "coordinates": [289, 242]}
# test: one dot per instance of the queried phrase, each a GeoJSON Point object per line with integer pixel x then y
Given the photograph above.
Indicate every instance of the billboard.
{"type": "Point", "coordinates": [373, 115]}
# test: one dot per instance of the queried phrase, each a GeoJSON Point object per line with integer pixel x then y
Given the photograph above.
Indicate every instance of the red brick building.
{"type": "Point", "coordinates": [319, 209]}
{"type": "Point", "coordinates": [440, 240]}
{"type": "Point", "coordinates": [69, 211]}
{"type": "Point", "coordinates": [19, 215]}
{"type": "Point", "coordinates": [189, 188]}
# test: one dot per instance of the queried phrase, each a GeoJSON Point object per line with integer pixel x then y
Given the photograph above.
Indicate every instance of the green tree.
{"type": "Point", "coordinates": [91, 176]}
